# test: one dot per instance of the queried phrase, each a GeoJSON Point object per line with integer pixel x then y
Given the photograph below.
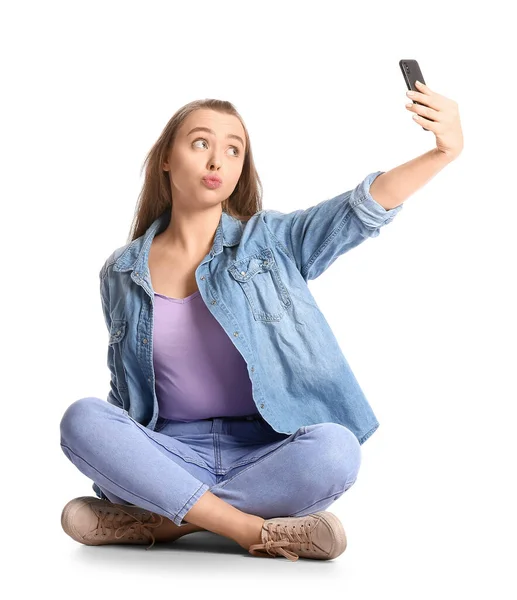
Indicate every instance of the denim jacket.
{"type": "Point", "coordinates": [254, 282]}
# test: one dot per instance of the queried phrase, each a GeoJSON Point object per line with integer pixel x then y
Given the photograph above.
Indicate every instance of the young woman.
{"type": "Point", "coordinates": [231, 406]}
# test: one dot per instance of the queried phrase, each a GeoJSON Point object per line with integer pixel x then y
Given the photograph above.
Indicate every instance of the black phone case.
{"type": "Point", "coordinates": [411, 72]}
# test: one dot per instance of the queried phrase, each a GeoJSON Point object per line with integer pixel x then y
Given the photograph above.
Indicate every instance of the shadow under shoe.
{"type": "Point", "coordinates": [94, 522]}
{"type": "Point", "coordinates": [319, 535]}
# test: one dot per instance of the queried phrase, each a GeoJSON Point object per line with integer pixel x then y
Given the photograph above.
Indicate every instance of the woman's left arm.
{"type": "Point", "coordinates": [441, 116]}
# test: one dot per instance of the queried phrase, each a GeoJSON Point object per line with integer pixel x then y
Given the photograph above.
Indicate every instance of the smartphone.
{"type": "Point", "coordinates": [411, 72]}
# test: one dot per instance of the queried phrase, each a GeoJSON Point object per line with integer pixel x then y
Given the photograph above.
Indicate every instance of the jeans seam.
{"type": "Point", "coordinates": [121, 487]}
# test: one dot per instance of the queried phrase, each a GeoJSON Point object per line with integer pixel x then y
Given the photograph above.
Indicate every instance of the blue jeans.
{"type": "Point", "coordinates": [242, 460]}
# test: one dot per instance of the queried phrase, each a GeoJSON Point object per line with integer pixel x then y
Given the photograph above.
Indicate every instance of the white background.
{"type": "Point", "coordinates": [425, 314]}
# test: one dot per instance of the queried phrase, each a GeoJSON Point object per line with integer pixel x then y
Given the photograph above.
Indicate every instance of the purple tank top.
{"type": "Point", "coordinates": [199, 372]}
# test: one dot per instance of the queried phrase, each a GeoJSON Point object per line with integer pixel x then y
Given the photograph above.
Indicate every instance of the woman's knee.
{"type": "Point", "coordinates": [78, 415]}
{"type": "Point", "coordinates": [337, 452]}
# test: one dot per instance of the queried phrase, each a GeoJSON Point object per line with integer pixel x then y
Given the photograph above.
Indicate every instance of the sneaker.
{"type": "Point", "coordinates": [319, 535]}
{"type": "Point", "coordinates": [94, 522]}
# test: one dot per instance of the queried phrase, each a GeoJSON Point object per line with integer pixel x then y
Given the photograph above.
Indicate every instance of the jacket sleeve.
{"type": "Point", "coordinates": [316, 236]}
{"type": "Point", "coordinates": [113, 394]}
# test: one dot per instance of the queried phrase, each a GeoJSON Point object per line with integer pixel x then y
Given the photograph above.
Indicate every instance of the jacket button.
{"type": "Point", "coordinates": [145, 341]}
{"type": "Point", "coordinates": [203, 277]}
{"type": "Point", "coordinates": [252, 369]}
{"type": "Point", "coordinates": [243, 272]}
{"type": "Point", "coordinates": [261, 406]}
{"type": "Point", "coordinates": [213, 302]}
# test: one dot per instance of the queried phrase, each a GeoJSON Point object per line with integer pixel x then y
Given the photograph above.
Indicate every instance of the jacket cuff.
{"type": "Point", "coordinates": [371, 213]}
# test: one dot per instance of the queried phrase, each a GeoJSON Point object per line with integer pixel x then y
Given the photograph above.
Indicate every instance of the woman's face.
{"type": "Point", "coordinates": [198, 153]}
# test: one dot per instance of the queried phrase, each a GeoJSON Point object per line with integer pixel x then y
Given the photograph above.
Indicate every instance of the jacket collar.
{"type": "Point", "coordinates": [135, 256]}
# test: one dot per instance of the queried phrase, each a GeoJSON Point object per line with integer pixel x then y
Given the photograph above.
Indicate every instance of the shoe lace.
{"type": "Point", "coordinates": [124, 526]}
{"type": "Point", "coordinates": [282, 537]}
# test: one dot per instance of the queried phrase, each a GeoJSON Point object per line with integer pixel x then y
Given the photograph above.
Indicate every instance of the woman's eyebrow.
{"type": "Point", "coordinates": [230, 135]}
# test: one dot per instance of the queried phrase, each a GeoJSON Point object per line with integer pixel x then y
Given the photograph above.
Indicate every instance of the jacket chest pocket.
{"type": "Point", "coordinates": [259, 279]}
{"type": "Point", "coordinates": [117, 333]}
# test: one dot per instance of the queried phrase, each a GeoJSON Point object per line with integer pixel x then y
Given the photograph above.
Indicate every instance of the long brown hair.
{"type": "Point", "coordinates": [155, 196]}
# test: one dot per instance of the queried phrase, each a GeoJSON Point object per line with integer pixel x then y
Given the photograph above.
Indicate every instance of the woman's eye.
{"type": "Point", "coordinates": [203, 140]}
